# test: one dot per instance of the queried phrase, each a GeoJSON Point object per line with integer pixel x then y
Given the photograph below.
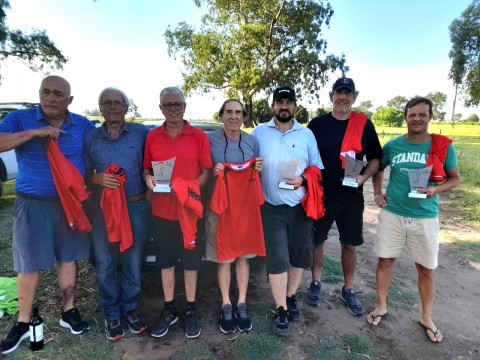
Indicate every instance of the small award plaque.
{"type": "Point", "coordinates": [418, 180]}
{"type": "Point", "coordinates": [287, 171]}
{"type": "Point", "coordinates": [353, 168]}
{"type": "Point", "coordinates": [162, 172]}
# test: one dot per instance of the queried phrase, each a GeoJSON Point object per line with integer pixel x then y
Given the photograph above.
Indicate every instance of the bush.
{"type": "Point", "coordinates": [387, 116]}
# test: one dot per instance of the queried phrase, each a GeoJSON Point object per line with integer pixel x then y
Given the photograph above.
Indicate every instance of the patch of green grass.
{"type": "Point", "coordinates": [343, 347]}
{"type": "Point", "coordinates": [332, 271]}
{"type": "Point", "coordinates": [469, 250]}
{"type": "Point", "coordinates": [263, 345]}
{"type": "Point", "coordinates": [193, 351]}
{"type": "Point", "coordinates": [399, 296]}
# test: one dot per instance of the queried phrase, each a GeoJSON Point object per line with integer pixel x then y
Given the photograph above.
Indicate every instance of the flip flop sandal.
{"type": "Point", "coordinates": [434, 333]}
{"type": "Point", "coordinates": [374, 317]}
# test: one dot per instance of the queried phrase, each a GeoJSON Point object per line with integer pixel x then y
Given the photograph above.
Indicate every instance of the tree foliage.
{"type": "Point", "coordinates": [439, 101]}
{"type": "Point", "coordinates": [397, 102]}
{"type": "Point", "coordinates": [465, 53]}
{"type": "Point", "coordinates": [301, 114]}
{"type": "Point", "coordinates": [261, 111]}
{"type": "Point", "coordinates": [36, 50]}
{"type": "Point", "coordinates": [364, 107]}
{"type": "Point", "coordinates": [244, 47]}
{"type": "Point", "coordinates": [388, 116]}
{"type": "Point", "coordinates": [132, 112]}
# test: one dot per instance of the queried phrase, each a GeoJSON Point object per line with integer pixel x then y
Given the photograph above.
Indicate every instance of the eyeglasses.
{"type": "Point", "coordinates": [55, 93]}
{"type": "Point", "coordinates": [170, 106]}
{"type": "Point", "coordinates": [110, 103]}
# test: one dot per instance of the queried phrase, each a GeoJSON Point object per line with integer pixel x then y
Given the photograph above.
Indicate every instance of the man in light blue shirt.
{"type": "Point", "coordinates": [287, 229]}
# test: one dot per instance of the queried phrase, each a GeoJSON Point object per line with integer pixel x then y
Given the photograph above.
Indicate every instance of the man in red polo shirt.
{"type": "Point", "coordinates": [176, 138]}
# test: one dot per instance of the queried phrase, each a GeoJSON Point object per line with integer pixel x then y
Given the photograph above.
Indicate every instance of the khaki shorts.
{"type": "Point", "coordinates": [211, 221]}
{"type": "Point", "coordinates": [419, 237]}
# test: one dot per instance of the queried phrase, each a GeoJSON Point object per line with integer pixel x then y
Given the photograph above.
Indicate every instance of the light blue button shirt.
{"type": "Point", "coordinates": [298, 143]}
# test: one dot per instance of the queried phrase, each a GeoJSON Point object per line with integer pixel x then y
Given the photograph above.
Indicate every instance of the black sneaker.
{"type": "Point", "coordinates": [19, 332]}
{"type": "Point", "coordinates": [134, 324]}
{"type": "Point", "coordinates": [280, 322]}
{"type": "Point", "coordinates": [72, 320]}
{"type": "Point", "coordinates": [292, 309]}
{"type": "Point", "coordinates": [244, 323]}
{"type": "Point", "coordinates": [227, 323]}
{"type": "Point", "coordinates": [192, 325]}
{"type": "Point", "coordinates": [169, 317]}
{"type": "Point", "coordinates": [313, 294]}
{"type": "Point", "coordinates": [354, 305]}
{"type": "Point", "coordinates": [114, 330]}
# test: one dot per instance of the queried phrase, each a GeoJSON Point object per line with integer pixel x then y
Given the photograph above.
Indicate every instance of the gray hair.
{"type": "Point", "coordinates": [126, 101]}
{"type": "Point", "coordinates": [172, 90]}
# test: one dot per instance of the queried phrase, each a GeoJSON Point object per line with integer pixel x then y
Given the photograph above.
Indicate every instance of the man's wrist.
{"type": "Point", "coordinates": [304, 180]}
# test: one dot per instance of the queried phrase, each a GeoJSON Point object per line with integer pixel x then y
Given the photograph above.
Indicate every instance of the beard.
{"type": "Point", "coordinates": [285, 117]}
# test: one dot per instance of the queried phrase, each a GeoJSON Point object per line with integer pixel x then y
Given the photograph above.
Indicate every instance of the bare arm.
{"type": "Point", "coordinates": [148, 177]}
{"type": "Point", "coordinates": [453, 179]}
{"type": "Point", "coordinates": [377, 181]}
{"type": "Point", "coordinates": [204, 176]}
{"type": "Point", "coordinates": [370, 170]}
{"type": "Point", "coordinates": [10, 141]}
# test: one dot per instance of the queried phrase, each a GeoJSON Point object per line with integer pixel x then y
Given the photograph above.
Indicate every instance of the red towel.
{"type": "Point", "coordinates": [70, 187]}
{"type": "Point", "coordinates": [115, 211]}
{"type": "Point", "coordinates": [352, 140]}
{"type": "Point", "coordinates": [437, 155]}
{"type": "Point", "coordinates": [190, 209]}
{"type": "Point", "coordinates": [313, 201]}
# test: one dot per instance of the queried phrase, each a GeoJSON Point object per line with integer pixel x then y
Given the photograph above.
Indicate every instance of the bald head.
{"type": "Point", "coordinates": [55, 97]}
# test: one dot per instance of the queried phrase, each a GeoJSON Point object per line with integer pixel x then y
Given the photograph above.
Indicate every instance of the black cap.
{"type": "Point", "coordinates": [344, 83]}
{"type": "Point", "coordinates": [284, 92]}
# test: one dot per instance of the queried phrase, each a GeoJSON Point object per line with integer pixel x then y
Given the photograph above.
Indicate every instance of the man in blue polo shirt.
{"type": "Point", "coordinates": [119, 143]}
{"type": "Point", "coordinates": [41, 235]}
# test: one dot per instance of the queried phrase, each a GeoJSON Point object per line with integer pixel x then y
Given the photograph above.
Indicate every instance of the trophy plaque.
{"type": "Point", "coordinates": [353, 168]}
{"type": "Point", "coordinates": [287, 172]}
{"type": "Point", "coordinates": [162, 172]}
{"type": "Point", "coordinates": [418, 180]}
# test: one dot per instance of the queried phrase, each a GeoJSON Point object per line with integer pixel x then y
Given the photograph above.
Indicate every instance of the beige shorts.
{"type": "Point", "coordinates": [419, 237]}
{"type": "Point", "coordinates": [211, 221]}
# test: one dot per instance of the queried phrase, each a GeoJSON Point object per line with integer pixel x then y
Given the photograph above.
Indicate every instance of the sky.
{"type": "Point", "coordinates": [392, 48]}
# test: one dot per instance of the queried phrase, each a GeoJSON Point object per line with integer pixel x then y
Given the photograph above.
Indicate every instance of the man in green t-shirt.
{"type": "Point", "coordinates": [411, 223]}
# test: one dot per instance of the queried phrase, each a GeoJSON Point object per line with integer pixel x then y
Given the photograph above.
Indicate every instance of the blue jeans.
{"type": "Point", "coordinates": [119, 273]}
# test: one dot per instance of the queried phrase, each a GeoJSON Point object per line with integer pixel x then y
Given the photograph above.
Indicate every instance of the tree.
{"type": "Point", "coordinates": [439, 101]}
{"type": "Point", "coordinates": [397, 102]}
{"type": "Point", "coordinates": [457, 117]}
{"type": "Point", "coordinates": [465, 54]}
{"type": "Point", "coordinates": [388, 116]}
{"type": "Point", "coordinates": [35, 50]}
{"type": "Point", "coordinates": [301, 114]}
{"type": "Point", "coordinates": [261, 111]}
{"type": "Point", "coordinates": [364, 107]}
{"type": "Point", "coordinates": [322, 111]}
{"type": "Point", "coordinates": [248, 46]}
{"type": "Point", "coordinates": [473, 119]}
{"type": "Point", "coordinates": [132, 112]}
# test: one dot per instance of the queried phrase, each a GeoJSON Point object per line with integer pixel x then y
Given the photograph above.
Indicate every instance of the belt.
{"type": "Point", "coordinates": [36, 197]}
{"type": "Point", "coordinates": [137, 197]}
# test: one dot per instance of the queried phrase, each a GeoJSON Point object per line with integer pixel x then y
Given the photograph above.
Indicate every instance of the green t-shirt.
{"type": "Point", "coordinates": [402, 155]}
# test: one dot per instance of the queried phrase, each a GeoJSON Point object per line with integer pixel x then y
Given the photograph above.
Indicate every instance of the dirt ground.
{"type": "Point", "coordinates": [456, 309]}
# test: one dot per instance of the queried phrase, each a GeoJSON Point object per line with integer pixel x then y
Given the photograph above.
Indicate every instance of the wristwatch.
{"type": "Point", "coordinates": [304, 180]}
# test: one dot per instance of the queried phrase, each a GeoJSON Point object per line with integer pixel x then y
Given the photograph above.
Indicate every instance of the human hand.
{"type": "Point", "coordinates": [218, 167]}
{"type": "Point", "coordinates": [150, 181]}
{"type": "Point", "coordinates": [430, 191]}
{"type": "Point", "coordinates": [258, 164]}
{"type": "Point", "coordinates": [106, 180]}
{"type": "Point", "coordinates": [296, 182]}
{"type": "Point", "coordinates": [380, 199]}
{"type": "Point", "coordinates": [49, 131]}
